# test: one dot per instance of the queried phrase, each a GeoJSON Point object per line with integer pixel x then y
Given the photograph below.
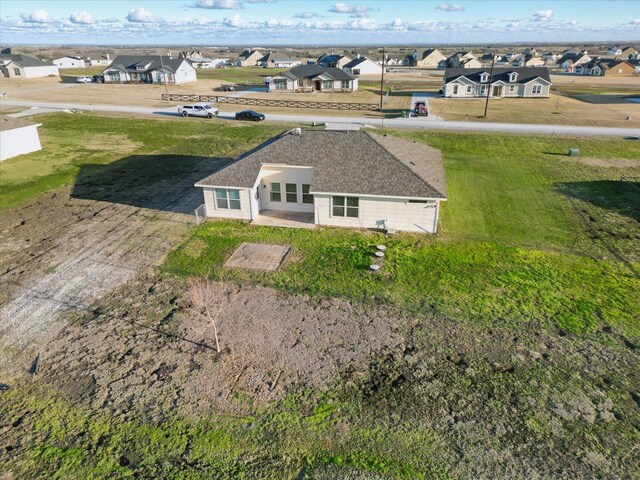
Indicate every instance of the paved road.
{"type": "Point", "coordinates": [412, 123]}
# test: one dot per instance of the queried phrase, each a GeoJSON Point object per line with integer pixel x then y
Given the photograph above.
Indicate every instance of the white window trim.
{"type": "Point", "coordinates": [227, 198]}
{"type": "Point", "coordinates": [345, 207]}
{"type": "Point", "coordinates": [297, 193]}
{"type": "Point", "coordinates": [271, 191]}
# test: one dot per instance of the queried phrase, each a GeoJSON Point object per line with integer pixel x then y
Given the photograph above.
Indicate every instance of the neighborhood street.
{"type": "Point", "coordinates": [414, 123]}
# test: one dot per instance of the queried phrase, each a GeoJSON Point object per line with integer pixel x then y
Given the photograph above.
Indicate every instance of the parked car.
{"type": "Point", "coordinates": [198, 110]}
{"type": "Point", "coordinates": [83, 79]}
{"type": "Point", "coordinates": [420, 109]}
{"type": "Point", "coordinates": [97, 79]}
{"type": "Point", "coordinates": [249, 115]}
{"type": "Point", "coordinates": [392, 70]}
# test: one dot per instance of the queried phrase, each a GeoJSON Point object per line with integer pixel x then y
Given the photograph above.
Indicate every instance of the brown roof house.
{"type": "Point", "coordinates": [337, 178]}
{"type": "Point", "coordinates": [18, 136]}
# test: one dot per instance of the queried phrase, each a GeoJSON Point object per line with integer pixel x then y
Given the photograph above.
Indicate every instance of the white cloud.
{"type": "Point", "coordinates": [363, 24]}
{"type": "Point", "coordinates": [514, 24]}
{"type": "Point", "coordinates": [142, 15]}
{"type": "Point", "coordinates": [111, 20]}
{"type": "Point", "coordinates": [306, 15]}
{"type": "Point", "coordinates": [397, 24]}
{"type": "Point", "coordinates": [635, 22]}
{"type": "Point", "coordinates": [260, 1]}
{"type": "Point", "coordinates": [450, 7]}
{"type": "Point", "coordinates": [573, 23]}
{"type": "Point", "coordinates": [38, 16]}
{"type": "Point", "coordinates": [543, 15]}
{"type": "Point", "coordinates": [234, 22]}
{"type": "Point", "coordinates": [218, 4]}
{"type": "Point", "coordinates": [83, 18]}
{"type": "Point", "coordinates": [481, 25]}
{"type": "Point", "coordinates": [273, 23]}
{"type": "Point", "coordinates": [359, 11]}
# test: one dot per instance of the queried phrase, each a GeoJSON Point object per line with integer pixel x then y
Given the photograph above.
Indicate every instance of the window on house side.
{"type": "Point", "coordinates": [291, 192]}
{"type": "Point", "coordinates": [306, 196]}
{"type": "Point", "coordinates": [537, 89]}
{"type": "Point", "coordinates": [274, 193]}
{"type": "Point", "coordinates": [345, 207]}
{"type": "Point", "coordinates": [227, 199]}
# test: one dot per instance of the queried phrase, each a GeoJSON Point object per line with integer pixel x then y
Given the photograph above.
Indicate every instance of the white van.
{"type": "Point", "coordinates": [198, 110]}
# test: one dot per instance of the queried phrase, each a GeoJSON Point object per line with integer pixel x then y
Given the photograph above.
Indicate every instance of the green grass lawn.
{"type": "Point", "coordinates": [240, 75]}
{"type": "Point", "coordinates": [71, 141]}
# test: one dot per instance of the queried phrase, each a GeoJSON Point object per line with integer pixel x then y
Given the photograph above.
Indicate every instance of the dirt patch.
{"type": "Point", "coordinates": [607, 162]}
{"type": "Point", "coordinates": [150, 351]}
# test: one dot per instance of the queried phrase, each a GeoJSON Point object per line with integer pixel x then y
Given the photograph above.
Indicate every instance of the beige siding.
{"type": "Point", "coordinates": [528, 88]}
{"type": "Point", "coordinates": [212, 211]}
{"type": "Point", "coordinates": [283, 175]}
{"type": "Point", "coordinates": [398, 214]}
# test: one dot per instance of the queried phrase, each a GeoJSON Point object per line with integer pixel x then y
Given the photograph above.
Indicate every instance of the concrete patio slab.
{"type": "Point", "coordinates": [276, 218]}
{"type": "Point", "coordinates": [258, 256]}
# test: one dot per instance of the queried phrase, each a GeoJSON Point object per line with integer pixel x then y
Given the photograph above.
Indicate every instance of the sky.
{"type": "Point", "coordinates": [316, 22]}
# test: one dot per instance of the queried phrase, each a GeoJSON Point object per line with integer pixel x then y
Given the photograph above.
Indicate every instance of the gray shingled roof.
{"type": "Point", "coordinates": [356, 61]}
{"type": "Point", "coordinates": [357, 163]}
{"type": "Point", "coordinates": [25, 60]}
{"type": "Point", "coordinates": [11, 123]}
{"type": "Point", "coordinates": [311, 71]}
{"type": "Point", "coordinates": [525, 74]}
{"type": "Point", "coordinates": [128, 63]}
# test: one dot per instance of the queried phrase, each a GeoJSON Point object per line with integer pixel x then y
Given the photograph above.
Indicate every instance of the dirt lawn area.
{"type": "Point", "coordinates": [72, 246]}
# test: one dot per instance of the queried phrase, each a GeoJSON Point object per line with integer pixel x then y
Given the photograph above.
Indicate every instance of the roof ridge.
{"type": "Point", "coordinates": [402, 163]}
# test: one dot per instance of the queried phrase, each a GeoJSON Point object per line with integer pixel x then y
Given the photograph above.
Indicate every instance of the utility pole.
{"type": "Point", "coordinates": [486, 105]}
{"type": "Point", "coordinates": [382, 78]}
{"type": "Point", "coordinates": [164, 77]}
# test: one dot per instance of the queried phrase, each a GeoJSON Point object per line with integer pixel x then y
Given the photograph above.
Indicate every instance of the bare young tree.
{"type": "Point", "coordinates": [209, 302]}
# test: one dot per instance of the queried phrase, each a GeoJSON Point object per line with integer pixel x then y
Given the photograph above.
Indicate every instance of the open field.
{"type": "Point", "coordinates": [570, 111]}
{"type": "Point", "coordinates": [505, 347]}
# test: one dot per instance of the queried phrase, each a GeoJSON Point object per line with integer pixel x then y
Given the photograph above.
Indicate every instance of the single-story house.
{"type": "Point", "coordinates": [313, 78]}
{"type": "Point", "coordinates": [614, 51]}
{"type": "Point", "coordinates": [24, 66]}
{"type": "Point", "coordinates": [149, 69]}
{"type": "Point", "coordinates": [248, 58]}
{"type": "Point", "coordinates": [18, 136]}
{"type": "Point", "coordinates": [362, 66]}
{"type": "Point", "coordinates": [463, 59]}
{"type": "Point", "coordinates": [278, 60]}
{"type": "Point", "coordinates": [98, 60]}
{"type": "Point", "coordinates": [331, 60]}
{"type": "Point", "coordinates": [570, 60]}
{"type": "Point", "coordinates": [532, 82]}
{"type": "Point", "coordinates": [69, 62]}
{"type": "Point", "coordinates": [629, 53]}
{"type": "Point", "coordinates": [338, 178]}
{"type": "Point", "coordinates": [600, 68]}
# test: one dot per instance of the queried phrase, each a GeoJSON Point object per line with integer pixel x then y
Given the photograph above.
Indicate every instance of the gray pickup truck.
{"type": "Point", "coordinates": [198, 110]}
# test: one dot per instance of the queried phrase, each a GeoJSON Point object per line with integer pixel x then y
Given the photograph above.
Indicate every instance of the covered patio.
{"type": "Point", "coordinates": [278, 218]}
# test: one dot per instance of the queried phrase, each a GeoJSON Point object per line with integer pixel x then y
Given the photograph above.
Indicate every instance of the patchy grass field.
{"type": "Point", "coordinates": [504, 346]}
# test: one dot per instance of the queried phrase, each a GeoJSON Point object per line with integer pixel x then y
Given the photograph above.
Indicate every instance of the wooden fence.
{"type": "Point", "coordinates": [269, 102]}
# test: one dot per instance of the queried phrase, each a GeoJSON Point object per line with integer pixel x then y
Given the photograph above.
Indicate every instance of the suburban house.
{"type": "Point", "coordinates": [278, 60]}
{"type": "Point", "coordinates": [331, 60]}
{"type": "Point", "coordinates": [313, 78]}
{"type": "Point", "coordinates": [98, 60]}
{"type": "Point", "coordinates": [460, 60]}
{"type": "Point", "coordinates": [527, 61]}
{"type": "Point", "coordinates": [337, 178]}
{"type": "Point", "coordinates": [571, 59]}
{"type": "Point", "coordinates": [362, 66]}
{"type": "Point", "coordinates": [532, 82]}
{"type": "Point", "coordinates": [200, 61]}
{"type": "Point", "coordinates": [599, 67]}
{"type": "Point", "coordinates": [430, 58]}
{"type": "Point", "coordinates": [149, 69]}
{"type": "Point", "coordinates": [248, 58]}
{"type": "Point", "coordinates": [24, 66]}
{"type": "Point", "coordinates": [628, 53]}
{"type": "Point", "coordinates": [69, 62]}
{"type": "Point", "coordinates": [18, 136]}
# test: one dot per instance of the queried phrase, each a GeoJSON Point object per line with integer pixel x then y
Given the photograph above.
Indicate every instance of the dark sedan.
{"type": "Point", "coordinates": [249, 115]}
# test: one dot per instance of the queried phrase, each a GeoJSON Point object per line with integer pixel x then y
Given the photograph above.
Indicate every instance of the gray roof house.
{"type": "Point", "coordinates": [248, 58]}
{"type": "Point", "coordinates": [149, 69]}
{"type": "Point", "coordinates": [313, 78]}
{"type": "Point", "coordinates": [336, 178]}
{"type": "Point", "coordinates": [531, 82]}
{"type": "Point", "coordinates": [278, 60]}
{"type": "Point", "coordinates": [16, 65]}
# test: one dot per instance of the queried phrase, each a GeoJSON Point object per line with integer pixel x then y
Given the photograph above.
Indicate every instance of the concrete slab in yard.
{"type": "Point", "coordinates": [258, 256]}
